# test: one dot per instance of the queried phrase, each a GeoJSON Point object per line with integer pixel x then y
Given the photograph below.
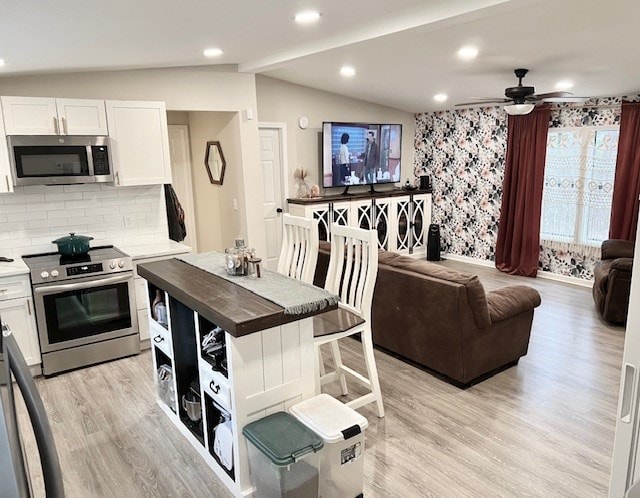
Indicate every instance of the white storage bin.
{"type": "Point", "coordinates": [342, 430]}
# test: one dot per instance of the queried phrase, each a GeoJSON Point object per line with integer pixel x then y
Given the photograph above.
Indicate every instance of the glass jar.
{"type": "Point", "coordinates": [236, 261]}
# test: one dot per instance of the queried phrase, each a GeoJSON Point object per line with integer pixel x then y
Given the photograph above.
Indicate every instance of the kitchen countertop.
{"type": "Point", "coordinates": [17, 267]}
{"type": "Point", "coordinates": [153, 250]}
{"type": "Point", "coordinates": [234, 308]}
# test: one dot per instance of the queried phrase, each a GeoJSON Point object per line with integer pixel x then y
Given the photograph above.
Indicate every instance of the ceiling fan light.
{"type": "Point", "coordinates": [518, 109]}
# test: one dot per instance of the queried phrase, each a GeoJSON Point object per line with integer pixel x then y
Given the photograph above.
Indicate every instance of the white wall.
{"type": "Point", "coordinates": [213, 88]}
{"type": "Point", "coordinates": [279, 101]}
{"type": "Point", "coordinates": [217, 222]}
{"type": "Point", "coordinates": [32, 217]}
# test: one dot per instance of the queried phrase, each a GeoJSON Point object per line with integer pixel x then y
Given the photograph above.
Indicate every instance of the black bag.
{"type": "Point", "coordinates": [175, 215]}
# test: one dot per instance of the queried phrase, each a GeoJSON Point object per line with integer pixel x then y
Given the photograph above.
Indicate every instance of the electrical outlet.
{"type": "Point", "coordinates": [128, 220]}
{"type": "Point", "coordinates": [235, 204]}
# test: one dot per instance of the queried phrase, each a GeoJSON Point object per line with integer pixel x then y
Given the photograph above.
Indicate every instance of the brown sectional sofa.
{"type": "Point", "coordinates": [443, 320]}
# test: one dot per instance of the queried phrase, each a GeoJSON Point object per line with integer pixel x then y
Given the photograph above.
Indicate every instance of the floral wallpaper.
{"type": "Point", "coordinates": [463, 151]}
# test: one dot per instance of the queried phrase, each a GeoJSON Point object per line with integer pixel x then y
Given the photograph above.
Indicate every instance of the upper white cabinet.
{"type": "Point", "coordinates": [47, 116]}
{"type": "Point", "coordinates": [6, 182]}
{"type": "Point", "coordinates": [82, 117]}
{"type": "Point", "coordinates": [139, 142]}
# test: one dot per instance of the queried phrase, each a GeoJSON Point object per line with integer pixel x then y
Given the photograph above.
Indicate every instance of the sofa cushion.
{"type": "Point", "coordinates": [601, 275]}
{"type": "Point", "coordinates": [475, 292]}
{"type": "Point", "coordinates": [617, 248]}
{"type": "Point", "coordinates": [625, 264]}
{"type": "Point", "coordinates": [509, 301]}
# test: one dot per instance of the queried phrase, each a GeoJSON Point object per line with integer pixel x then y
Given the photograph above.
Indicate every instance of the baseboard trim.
{"type": "Point", "coordinates": [541, 274]}
{"type": "Point", "coordinates": [472, 261]}
{"type": "Point", "coordinates": [564, 278]}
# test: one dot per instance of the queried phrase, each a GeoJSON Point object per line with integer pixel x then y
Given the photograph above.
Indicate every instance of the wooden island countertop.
{"type": "Point", "coordinates": [234, 308]}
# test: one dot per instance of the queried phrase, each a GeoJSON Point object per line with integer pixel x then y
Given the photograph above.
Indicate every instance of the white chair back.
{"type": "Point", "coordinates": [299, 253]}
{"type": "Point", "coordinates": [353, 268]}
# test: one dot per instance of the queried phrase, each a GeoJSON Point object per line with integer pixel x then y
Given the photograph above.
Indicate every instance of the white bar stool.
{"type": "Point", "coordinates": [299, 253]}
{"type": "Point", "coordinates": [352, 273]}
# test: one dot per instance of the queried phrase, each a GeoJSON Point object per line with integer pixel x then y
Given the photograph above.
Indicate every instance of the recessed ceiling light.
{"type": "Point", "coordinates": [440, 97]}
{"type": "Point", "coordinates": [468, 53]}
{"type": "Point", "coordinates": [564, 85]}
{"type": "Point", "coordinates": [2, 62]}
{"type": "Point", "coordinates": [307, 17]}
{"type": "Point", "coordinates": [212, 52]}
{"type": "Point", "coordinates": [347, 71]}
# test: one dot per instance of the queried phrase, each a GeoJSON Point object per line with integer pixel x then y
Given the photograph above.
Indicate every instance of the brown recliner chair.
{"type": "Point", "coordinates": [612, 280]}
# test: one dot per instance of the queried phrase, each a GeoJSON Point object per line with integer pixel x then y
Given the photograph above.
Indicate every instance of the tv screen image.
{"type": "Point", "coordinates": [360, 154]}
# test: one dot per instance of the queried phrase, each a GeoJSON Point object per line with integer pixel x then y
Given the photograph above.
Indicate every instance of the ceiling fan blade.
{"type": "Point", "coordinates": [549, 95]}
{"type": "Point", "coordinates": [577, 100]}
{"type": "Point", "coordinates": [485, 102]}
{"type": "Point", "coordinates": [490, 99]}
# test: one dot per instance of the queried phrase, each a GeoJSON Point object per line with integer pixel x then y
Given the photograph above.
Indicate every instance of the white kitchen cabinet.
{"type": "Point", "coordinates": [16, 310]}
{"type": "Point", "coordinates": [82, 117]}
{"type": "Point", "coordinates": [139, 142]}
{"type": "Point", "coordinates": [18, 315]}
{"type": "Point", "coordinates": [6, 179]}
{"type": "Point", "coordinates": [49, 116]}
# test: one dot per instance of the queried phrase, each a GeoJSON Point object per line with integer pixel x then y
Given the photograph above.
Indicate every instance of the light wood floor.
{"type": "Point", "coordinates": [543, 428]}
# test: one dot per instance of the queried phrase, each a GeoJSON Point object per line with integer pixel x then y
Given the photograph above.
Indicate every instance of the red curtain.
{"type": "Point", "coordinates": [626, 187]}
{"type": "Point", "coordinates": [518, 245]}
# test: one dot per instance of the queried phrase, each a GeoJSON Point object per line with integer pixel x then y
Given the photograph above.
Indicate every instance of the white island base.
{"type": "Point", "coordinates": [268, 371]}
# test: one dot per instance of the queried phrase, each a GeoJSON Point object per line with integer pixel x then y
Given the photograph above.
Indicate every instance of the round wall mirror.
{"type": "Point", "coordinates": [214, 162]}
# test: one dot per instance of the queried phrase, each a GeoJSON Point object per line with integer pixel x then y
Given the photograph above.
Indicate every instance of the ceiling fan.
{"type": "Point", "coordinates": [522, 99]}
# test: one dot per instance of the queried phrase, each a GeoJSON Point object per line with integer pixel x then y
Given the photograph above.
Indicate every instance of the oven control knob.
{"type": "Point", "coordinates": [120, 264]}
{"type": "Point", "coordinates": [44, 274]}
{"type": "Point", "coordinates": [112, 265]}
{"type": "Point", "coordinates": [54, 273]}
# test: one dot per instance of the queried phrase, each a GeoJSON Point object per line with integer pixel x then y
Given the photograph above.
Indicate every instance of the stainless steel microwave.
{"type": "Point", "coordinates": [59, 160]}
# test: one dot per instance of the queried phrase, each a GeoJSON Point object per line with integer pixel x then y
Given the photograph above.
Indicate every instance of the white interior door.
{"type": "Point", "coordinates": [180, 154]}
{"type": "Point", "coordinates": [271, 159]}
{"type": "Point", "coordinates": [625, 468]}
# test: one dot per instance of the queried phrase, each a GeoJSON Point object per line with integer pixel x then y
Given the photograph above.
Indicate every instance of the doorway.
{"type": "Point", "coordinates": [180, 154]}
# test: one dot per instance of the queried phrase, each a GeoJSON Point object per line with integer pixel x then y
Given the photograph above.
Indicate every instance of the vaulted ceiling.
{"type": "Point", "coordinates": [404, 51]}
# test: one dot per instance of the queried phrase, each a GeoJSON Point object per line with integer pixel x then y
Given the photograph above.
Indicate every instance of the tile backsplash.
{"type": "Point", "coordinates": [32, 217]}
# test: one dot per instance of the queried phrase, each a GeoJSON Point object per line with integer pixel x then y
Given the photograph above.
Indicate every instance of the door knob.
{"type": "Point", "coordinates": [279, 210]}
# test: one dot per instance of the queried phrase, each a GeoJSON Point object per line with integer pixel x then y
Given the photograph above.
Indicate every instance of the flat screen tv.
{"type": "Point", "coordinates": [360, 154]}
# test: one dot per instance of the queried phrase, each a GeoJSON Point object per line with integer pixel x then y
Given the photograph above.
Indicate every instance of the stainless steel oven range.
{"type": "Point", "coordinates": [85, 308]}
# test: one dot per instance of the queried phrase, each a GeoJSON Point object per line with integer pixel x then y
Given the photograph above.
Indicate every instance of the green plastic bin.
{"type": "Point", "coordinates": [283, 457]}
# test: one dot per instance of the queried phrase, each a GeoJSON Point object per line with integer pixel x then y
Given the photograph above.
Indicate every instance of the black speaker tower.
{"type": "Point", "coordinates": [433, 243]}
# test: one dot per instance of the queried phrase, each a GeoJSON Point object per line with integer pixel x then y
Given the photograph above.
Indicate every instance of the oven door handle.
{"type": "Point", "coordinates": [50, 289]}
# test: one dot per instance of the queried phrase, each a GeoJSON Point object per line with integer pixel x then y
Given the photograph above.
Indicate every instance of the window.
{"type": "Point", "coordinates": [578, 185]}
